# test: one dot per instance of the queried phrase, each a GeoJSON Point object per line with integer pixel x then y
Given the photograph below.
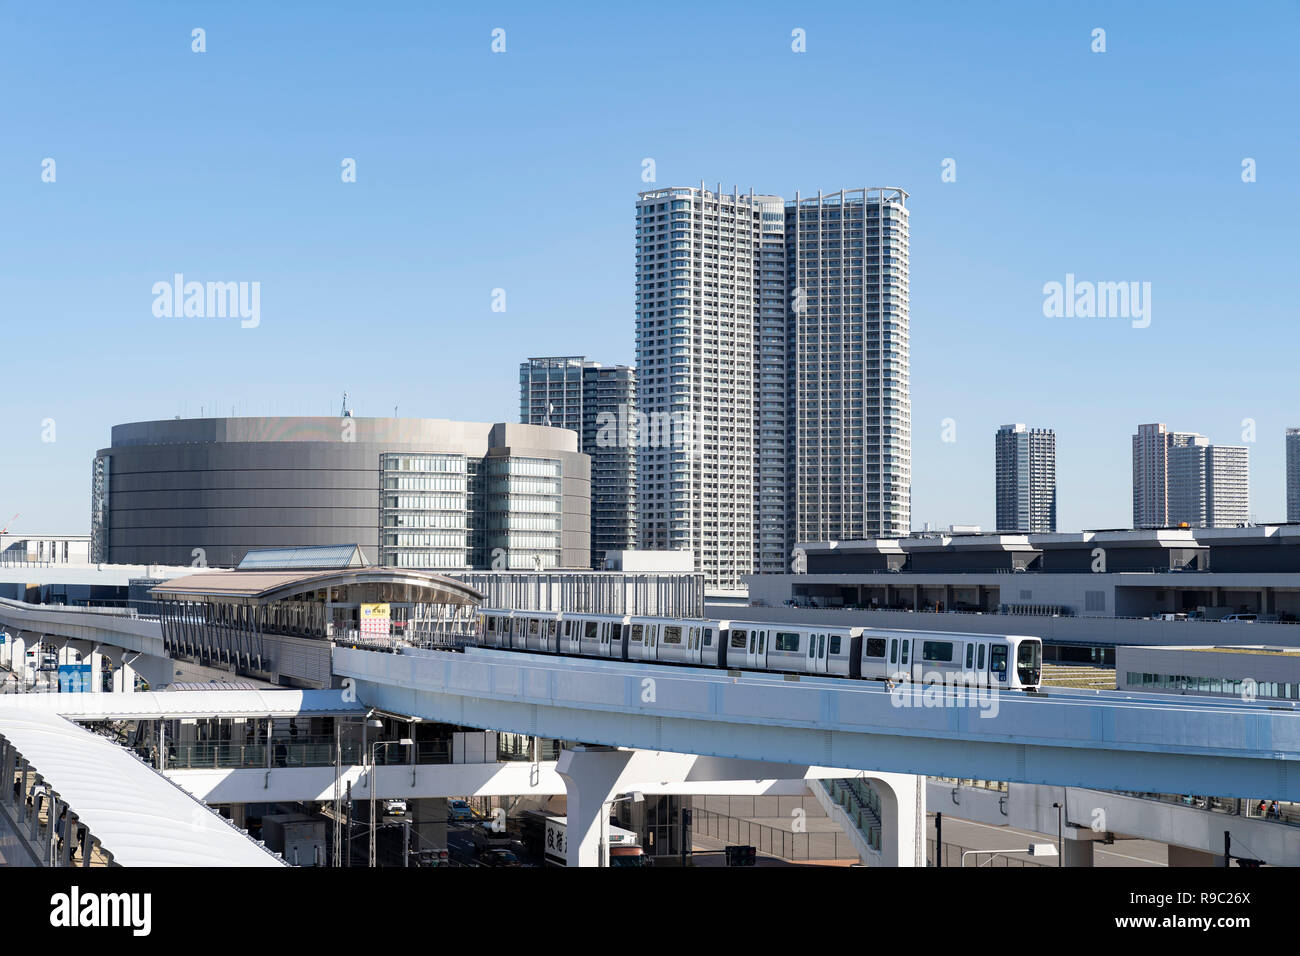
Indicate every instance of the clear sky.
{"type": "Point", "coordinates": [519, 170]}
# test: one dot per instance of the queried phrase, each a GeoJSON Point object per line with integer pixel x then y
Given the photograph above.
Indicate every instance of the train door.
{"type": "Point", "coordinates": [638, 643]}
{"type": "Point", "coordinates": [820, 665]}
{"type": "Point", "coordinates": [756, 650]}
{"type": "Point", "coordinates": [904, 665]}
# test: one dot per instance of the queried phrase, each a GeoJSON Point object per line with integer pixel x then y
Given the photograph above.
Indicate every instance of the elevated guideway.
{"type": "Point", "coordinates": [1110, 741]}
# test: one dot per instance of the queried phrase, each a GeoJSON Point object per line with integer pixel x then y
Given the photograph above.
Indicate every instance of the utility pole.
{"type": "Point", "coordinates": [348, 852]}
{"type": "Point", "coordinates": [938, 839]}
{"type": "Point", "coordinates": [686, 830]}
{"type": "Point", "coordinates": [1060, 842]}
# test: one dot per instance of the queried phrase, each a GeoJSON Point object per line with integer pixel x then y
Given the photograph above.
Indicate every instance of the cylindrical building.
{"type": "Point", "coordinates": [412, 492]}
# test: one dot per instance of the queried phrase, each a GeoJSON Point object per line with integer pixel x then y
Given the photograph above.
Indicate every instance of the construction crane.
{"type": "Point", "coordinates": [5, 529]}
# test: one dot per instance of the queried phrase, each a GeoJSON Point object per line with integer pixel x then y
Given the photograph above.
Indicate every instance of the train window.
{"type": "Point", "coordinates": [812, 646]}
{"type": "Point", "coordinates": [636, 633]}
{"type": "Point", "coordinates": [652, 634]}
{"type": "Point", "coordinates": [939, 651]}
{"type": "Point", "coordinates": [708, 637]}
{"type": "Point", "coordinates": [590, 628]}
{"type": "Point", "coordinates": [875, 647]}
{"type": "Point", "coordinates": [821, 645]}
{"type": "Point", "coordinates": [835, 644]}
{"type": "Point", "coordinates": [980, 665]}
{"type": "Point", "coordinates": [550, 628]}
{"type": "Point", "coordinates": [970, 656]}
{"type": "Point", "coordinates": [753, 640]}
{"type": "Point", "coordinates": [672, 635]}
{"type": "Point", "coordinates": [906, 644]}
{"type": "Point", "coordinates": [616, 632]}
{"type": "Point", "coordinates": [695, 637]}
{"type": "Point", "coordinates": [785, 641]}
{"type": "Point", "coordinates": [738, 639]}
{"type": "Point", "coordinates": [534, 627]}
{"type": "Point", "coordinates": [491, 625]}
{"type": "Point", "coordinates": [762, 641]}
{"type": "Point", "coordinates": [893, 651]}
{"type": "Point", "coordinates": [998, 659]}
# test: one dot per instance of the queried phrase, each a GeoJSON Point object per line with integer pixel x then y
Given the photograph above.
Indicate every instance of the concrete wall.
{"type": "Point", "coordinates": [1281, 668]}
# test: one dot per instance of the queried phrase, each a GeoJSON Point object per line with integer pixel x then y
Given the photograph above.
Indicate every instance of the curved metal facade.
{"type": "Point", "coordinates": [206, 491]}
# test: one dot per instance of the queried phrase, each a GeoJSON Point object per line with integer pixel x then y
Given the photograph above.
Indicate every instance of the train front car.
{"type": "Point", "coordinates": [1028, 671]}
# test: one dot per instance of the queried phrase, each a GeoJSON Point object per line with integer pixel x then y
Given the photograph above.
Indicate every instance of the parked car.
{"type": "Point", "coordinates": [499, 858]}
{"type": "Point", "coordinates": [1242, 618]}
{"type": "Point", "coordinates": [394, 808]}
{"type": "Point", "coordinates": [459, 811]}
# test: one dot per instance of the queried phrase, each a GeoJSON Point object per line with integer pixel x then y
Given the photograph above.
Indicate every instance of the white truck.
{"type": "Point", "coordinates": [624, 847]}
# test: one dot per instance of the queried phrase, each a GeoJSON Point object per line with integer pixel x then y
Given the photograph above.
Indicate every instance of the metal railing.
{"type": "Point", "coordinates": [309, 752]}
{"type": "Point", "coordinates": [998, 785]}
{"type": "Point", "coordinates": [861, 803]}
{"type": "Point", "coordinates": [770, 841]}
{"type": "Point", "coordinates": [1288, 814]}
{"type": "Point", "coordinates": [952, 856]}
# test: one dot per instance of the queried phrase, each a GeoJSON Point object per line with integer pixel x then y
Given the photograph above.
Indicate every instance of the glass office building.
{"type": "Point", "coordinates": [598, 402]}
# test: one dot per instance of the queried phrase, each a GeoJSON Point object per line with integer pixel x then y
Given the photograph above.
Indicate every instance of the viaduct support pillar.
{"type": "Point", "coordinates": [591, 779]}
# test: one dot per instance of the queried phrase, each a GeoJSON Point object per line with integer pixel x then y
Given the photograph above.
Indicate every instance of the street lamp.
{"type": "Point", "coordinates": [1034, 849]}
{"type": "Point", "coordinates": [370, 781]}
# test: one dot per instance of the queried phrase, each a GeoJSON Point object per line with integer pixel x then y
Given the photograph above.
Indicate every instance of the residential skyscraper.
{"type": "Point", "coordinates": [698, 294]}
{"type": "Point", "coordinates": [1151, 447]}
{"type": "Point", "coordinates": [1025, 479]}
{"type": "Point", "coordinates": [850, 455]}
{"type": "Point", "coordinates": [598, 402]}
{"type": "Point", "coordinates": [1209, 485]}
{"type": "Point", "coordinates": [1293, 474]}
{"type": "Point", "coordinates": [772, 343]}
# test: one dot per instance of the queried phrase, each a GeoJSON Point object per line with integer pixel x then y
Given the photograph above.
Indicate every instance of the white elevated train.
{"type": "Point", "coordinates": [996, 660]}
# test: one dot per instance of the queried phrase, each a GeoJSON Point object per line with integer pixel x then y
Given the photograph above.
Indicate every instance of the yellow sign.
{"type": "Point", "coordinates": [375, 612]}
{"type": "Point", "coordinates": [374, 620]}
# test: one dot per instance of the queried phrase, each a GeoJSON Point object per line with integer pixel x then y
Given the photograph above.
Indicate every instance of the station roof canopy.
{"type": "Point", "coordinates": [267, 587]}
{"type": "Point", "coordinates": [137, 814]}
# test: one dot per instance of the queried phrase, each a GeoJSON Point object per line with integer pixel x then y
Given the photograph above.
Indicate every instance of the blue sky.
{"type": "Point", "coordinates": [520, 170]}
